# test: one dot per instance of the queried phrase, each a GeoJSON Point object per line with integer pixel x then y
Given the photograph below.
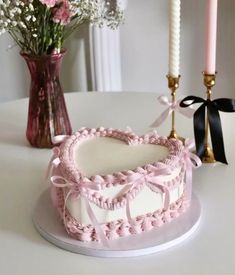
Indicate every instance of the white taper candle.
{"type": "Point", "coordinates": [174, 37]}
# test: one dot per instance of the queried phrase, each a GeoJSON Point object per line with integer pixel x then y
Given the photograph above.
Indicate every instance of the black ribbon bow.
{"type": "Point", "coordinates": [213, 107]}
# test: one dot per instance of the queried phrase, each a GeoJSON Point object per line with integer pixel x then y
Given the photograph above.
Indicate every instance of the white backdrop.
{"type": "Point", "coordinates": [144, 52]}
{"type": "Point", "coordinates": [144, 43]}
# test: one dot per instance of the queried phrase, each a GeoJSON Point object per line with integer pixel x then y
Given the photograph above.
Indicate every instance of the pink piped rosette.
{"type": "Point", "coordinates": [67, 181]}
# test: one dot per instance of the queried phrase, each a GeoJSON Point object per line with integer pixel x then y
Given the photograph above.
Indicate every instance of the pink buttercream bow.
{"type": "Point", "coordinates": [80, 189]}
{"type": "Point", "coordinates": [155, 180]}
{"type": "Point", "coordinates": [171, 106]}
{"type": "Point", "coordinates": [192, 161]}
{"type": "Point", "coordinates": [54, 162]}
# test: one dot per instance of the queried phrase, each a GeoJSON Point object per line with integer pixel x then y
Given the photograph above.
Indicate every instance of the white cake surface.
{"type": "Point", "coordinates": [103, 156]}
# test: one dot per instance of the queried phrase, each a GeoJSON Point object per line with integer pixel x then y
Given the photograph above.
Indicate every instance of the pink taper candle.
{"type": "Point", "coordinates": [211, 35]}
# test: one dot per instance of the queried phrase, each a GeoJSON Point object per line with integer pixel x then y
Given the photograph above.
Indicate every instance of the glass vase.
{"type": "Point", "coordinates": [47, 113]}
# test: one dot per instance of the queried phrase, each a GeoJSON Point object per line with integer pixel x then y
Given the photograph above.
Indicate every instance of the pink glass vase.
{"type": "Point", "coordinates": [47, 113]}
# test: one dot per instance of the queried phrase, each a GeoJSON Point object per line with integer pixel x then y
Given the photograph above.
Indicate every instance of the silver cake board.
{"type": "Point", "coordinates": [48, 224]}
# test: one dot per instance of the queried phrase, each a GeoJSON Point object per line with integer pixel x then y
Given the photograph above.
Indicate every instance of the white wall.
{"type": "Point", "coordinates": [144, 46]}
{"type": "Point", "coordinates": [13, 76]}
{"type": "Point", "coordinates": [144, 43]}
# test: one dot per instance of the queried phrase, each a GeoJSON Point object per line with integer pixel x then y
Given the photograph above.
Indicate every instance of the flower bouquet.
{"type": "Point", "coordinates": [39, 28]}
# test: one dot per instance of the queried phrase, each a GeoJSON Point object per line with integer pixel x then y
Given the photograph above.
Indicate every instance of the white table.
{"type": "Point", "coordinates": [22, 168]}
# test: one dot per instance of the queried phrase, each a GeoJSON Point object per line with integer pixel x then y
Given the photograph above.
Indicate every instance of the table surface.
{"type": "Point", "coordinates": [22, 171]}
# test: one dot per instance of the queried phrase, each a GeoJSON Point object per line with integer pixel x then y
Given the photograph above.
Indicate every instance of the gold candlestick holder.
{"type": "Point", "coordinates": [209, 82]}
{"type": "Point", "coordinates": [173, 85]}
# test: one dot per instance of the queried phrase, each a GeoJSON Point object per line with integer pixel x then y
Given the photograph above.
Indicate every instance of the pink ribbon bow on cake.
{"type": "Point", "coordinates": [80, 189]}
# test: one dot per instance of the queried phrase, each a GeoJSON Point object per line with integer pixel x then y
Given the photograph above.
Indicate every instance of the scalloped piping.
{"type": "Point", "coordinates": [122, 227]}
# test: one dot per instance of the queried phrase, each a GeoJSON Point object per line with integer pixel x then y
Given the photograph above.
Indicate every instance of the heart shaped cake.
{"type": "Point", "coordinates": [109, 183]}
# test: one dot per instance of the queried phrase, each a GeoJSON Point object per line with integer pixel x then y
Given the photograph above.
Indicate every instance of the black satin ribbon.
{"type": "Point", "coordinates": [213, 107]}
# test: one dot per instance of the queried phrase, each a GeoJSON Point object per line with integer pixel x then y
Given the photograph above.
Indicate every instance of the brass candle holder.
{"type": "Point", "coordinates": [209, 82]}
{"type": "Point", "coordinates": [173, 85]}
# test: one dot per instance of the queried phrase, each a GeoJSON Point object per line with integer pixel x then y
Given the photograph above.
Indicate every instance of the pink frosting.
{"type": "Point", "coordinates": [66, 169]}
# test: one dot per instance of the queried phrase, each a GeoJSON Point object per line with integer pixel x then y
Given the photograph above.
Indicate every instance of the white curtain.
{"type": "Point", "coordinates": [105, 58]}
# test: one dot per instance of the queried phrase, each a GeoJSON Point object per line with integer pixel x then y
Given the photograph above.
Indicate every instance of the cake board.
{"type": "Point", "coordinates": [48, 224]}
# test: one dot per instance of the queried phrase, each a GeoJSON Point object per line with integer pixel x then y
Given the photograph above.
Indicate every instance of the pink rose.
{"type": "Point", "coordinates": [61, 12]}
{"type": "Point", "coordinates": [48, 3]}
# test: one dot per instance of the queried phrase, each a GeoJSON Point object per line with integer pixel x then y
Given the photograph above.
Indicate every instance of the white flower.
{"type": "Point", "coordinates": [27, 18]}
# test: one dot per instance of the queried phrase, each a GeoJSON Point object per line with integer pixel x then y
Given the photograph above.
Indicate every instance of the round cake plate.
{"type": "Point", "coordinates": [48, 224]}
